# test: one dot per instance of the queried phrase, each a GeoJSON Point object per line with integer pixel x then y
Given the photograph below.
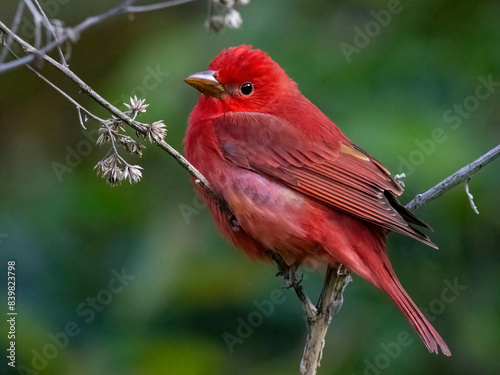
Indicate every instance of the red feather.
{"type": "Point", "coordinates": [295, 183]}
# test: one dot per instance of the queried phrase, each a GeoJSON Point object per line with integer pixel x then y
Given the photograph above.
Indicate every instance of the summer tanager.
{"type": "Point", "coordinates": [295, 183]}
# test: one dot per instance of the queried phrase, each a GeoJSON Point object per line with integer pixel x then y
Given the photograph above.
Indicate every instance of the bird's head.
{"type": "Point", "coordinates": [242, 79]}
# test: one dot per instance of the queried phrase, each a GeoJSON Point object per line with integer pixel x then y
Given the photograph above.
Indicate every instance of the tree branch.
{"type": "Point", "coordinates": [456, 178]}
{"type": "Point", "coordinates": [137, 126]}
{"type": "Point", "coordinates": [126, 7]}
{"type": "Point", "coordinates": [330, 301]}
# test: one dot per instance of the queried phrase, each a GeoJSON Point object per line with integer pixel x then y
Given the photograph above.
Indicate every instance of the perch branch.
{"type": "Point", "coordinates": [289, 280]}
{"type": "Point", "coordinates": [330, 300]}
{"type": "Point", "coordinates": [456, 178]}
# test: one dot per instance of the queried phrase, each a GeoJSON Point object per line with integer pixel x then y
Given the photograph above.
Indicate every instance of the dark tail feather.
{"type": "Point", "coordinates": [403, 301]}
{"type": "Point", "coordinates": [412, 221]}
{"type": "Point", "coordinates": [407, 215]}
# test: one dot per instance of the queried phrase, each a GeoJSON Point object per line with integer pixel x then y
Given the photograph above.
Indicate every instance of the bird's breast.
{"type": "Point", "coordinates": [270, 214]}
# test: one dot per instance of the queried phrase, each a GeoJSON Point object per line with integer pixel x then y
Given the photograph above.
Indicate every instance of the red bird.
{"type": "Point", "coordinates": [295, 183]}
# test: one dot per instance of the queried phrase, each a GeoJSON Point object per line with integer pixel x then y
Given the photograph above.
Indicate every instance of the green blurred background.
{"type": "Point", "coordinates": [67, 234]}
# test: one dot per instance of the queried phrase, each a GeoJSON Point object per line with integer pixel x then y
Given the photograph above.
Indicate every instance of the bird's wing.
{"type": "Point", "coordinates": [335, 173]}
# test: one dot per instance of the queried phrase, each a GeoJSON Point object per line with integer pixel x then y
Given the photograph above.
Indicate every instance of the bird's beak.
{"type": "Point", "coordinates": [206, 83]}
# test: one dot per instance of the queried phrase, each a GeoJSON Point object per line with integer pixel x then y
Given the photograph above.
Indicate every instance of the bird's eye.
{"type": "Point", "coordinates": [246, 88]}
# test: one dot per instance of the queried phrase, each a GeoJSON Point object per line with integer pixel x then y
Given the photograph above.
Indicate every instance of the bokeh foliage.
{"type": "Point", "coordinates": [190, 286]}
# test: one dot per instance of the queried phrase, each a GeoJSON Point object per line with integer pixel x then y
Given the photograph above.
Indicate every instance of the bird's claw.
{"type": "Point", "coordinates": [235, 225]}
{"type": "Point", "coordinates": [290, 278]}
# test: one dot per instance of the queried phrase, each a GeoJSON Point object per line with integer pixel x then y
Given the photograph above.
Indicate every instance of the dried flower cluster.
{"type": "Point", "coordinates": [222, 13]}
{"type": "Point", "coordinates": [156, 132]}
{"type": "Point", "coordinates": [136, 106]}
{"type": "Point", "coordinates": [113, 167]}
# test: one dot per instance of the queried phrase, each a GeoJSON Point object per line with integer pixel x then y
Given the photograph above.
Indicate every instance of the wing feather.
{"type": "Point", "coordinates": [336, 173]}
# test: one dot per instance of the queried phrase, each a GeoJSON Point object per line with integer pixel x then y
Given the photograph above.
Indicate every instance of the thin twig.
{"type": "Point", "coordinates": [74, 32]}
{"type": "Point", "coordinates": [152, 7]}
{"type": "Point", "coordinates": [137, 126]}
{"type": "Point", "coordinates": [15, 24]}
{"type": "Point", "coordinates": [37, 18]}
{"type": "Point", "coordinates": [71, 33]}
{"type": "Point", "coordinates": [455, 179]}
{"type": "Point", "coordinates": [69, 98]}
{"type": "Point", "coordinates": [79, 110]}
{"type": "Point", "coordinates": [471, 197]}
{"type": "Point", "coordinates": [51, 29]}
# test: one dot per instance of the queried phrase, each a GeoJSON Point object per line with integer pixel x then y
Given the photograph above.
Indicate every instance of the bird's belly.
{"type": "Point", "coordinates": [274, 215]}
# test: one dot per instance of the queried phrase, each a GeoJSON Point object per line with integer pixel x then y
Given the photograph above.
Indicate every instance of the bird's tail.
{"type": "Point", "coordinates": [429, 335]}
{"type": "Point", "coordinates": [367, 257]}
